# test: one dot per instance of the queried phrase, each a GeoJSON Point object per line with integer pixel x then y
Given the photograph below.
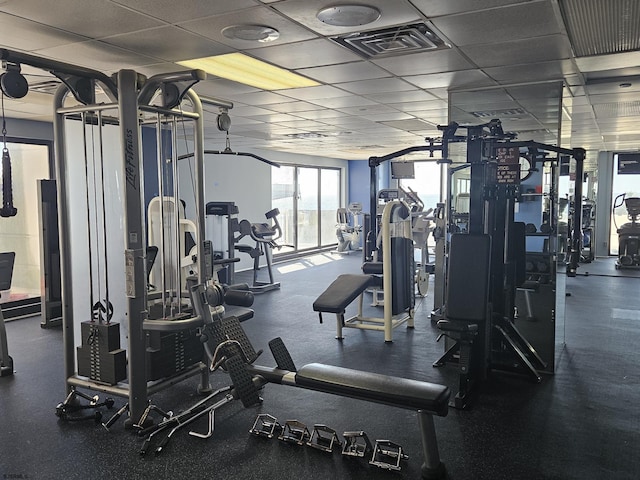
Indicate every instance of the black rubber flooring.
{"type": "Point", "coordinates": [581, 423]}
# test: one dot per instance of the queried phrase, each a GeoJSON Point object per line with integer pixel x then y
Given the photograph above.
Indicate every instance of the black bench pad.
{"type": "Point", "coordinates": [344, 290]}
{"type": "Point", "coordinates": [373, 387]}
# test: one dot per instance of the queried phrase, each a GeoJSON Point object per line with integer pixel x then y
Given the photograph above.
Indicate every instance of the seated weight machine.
{"type": "Point", "coordinates": [395, 275]}
{"type": "Point", "coordinates": [104, 275]}
{"type": "Point", "coordinates": [264, 235]}
{"type": "Point", "coordinates": [488, 263]}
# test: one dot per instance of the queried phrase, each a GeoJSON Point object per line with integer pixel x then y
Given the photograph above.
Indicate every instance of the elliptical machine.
{"type": "Point", "coordinates": [628, 233]}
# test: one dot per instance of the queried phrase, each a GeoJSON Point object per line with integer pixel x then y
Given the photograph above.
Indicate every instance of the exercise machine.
{"type": "Point", "coordinates": [6, 272]}
{"type": "Point", "coordinates": [628, 233]}
{"type": "Point", "coordinates": [394, 274]}
{"type": "Point", "coordinates": [222, 224]}
{"type": "Point", "coordinates": [348, 228]}
{"type": "Point", "coordinates": [235, 352]}
{"type": "Point", "coordinates": [104, 281]}
{"type": "Point", "coordinates": [487, 264]}
{"type": "Point", "coordinates": [265, 236]}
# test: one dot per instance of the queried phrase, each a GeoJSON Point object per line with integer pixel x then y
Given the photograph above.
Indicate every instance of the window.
{"type": "Point", "coordinates": [307, 198]}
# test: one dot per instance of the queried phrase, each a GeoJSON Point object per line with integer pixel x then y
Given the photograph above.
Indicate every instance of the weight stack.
{"type": "Point", "coordinates": [100, 357]}
{"type": "Point", "coordinates": [170, 353]}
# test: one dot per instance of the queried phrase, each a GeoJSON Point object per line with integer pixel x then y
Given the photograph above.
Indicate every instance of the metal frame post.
{"type": "Point", "coordinates": [135, 240]}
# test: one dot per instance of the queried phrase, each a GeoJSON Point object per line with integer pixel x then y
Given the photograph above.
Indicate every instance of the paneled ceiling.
{"type": "Point", "coordinates": [509, 54]}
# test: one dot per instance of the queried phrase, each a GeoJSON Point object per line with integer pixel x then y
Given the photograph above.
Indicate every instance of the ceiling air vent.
{"type": "Point", "coordinates": [598, 27]}
{"type": "Point", "coordinates": [47, 86]}
{"type": "Point", "coordinates": [507, 112]}
{"type": "Point", "coordinates": [417, 37]}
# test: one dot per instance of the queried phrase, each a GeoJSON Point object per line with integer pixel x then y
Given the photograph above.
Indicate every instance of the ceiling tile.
{"type": "Point", "coordinates": [275, 117]}
{"type": "Point", "coordinates": [313, 93]}
{"type": "Point", "coordinates": [294, 107]}
{"type": "Point", "coordinates": [100, 20]}
{"type": "Point", "coordinates": [399, 97]}
{"type": "Point", "coordinates": [319, 114]}
{"type": "Point", "coordinates": [531, 50]}
{"type": "Point", "coordinates": [460, 79]}
{"type": "Point", "coordinates": [168, 43]}
{"type": "Point", "coordinates": [424, 63]}
{"type": "Point", "coordinates": [365, 110]}
{"type": "Point", "coordinates": [345, 72]}
{"type": "Point", "coordinates": [297, 55]}
{"type": "Point", "coordinates": [378, 85]}
{"type": "Point", "coordinates": [98, 56]}
{"type": "Point", "coordinates": [260, 98]}
{"type": "Point", "coordinates": [555, 70]}
{"type": "Point", "coordinates": [170, 11]}
{"type": "Point", "coordinates": [437, 8]}
{"type": "Point", "coordinates": [211, 27]}
{"type": "Point", "coordinates": [304, 12]}
{"type": "Point", "coordinates": [26, 35]}
{"type": "Point", "coordinates": [413, 124]}
{"type": "Point", "coordinates": [341, 102]}
{"type": "Point", "coordinates": [524, 20]}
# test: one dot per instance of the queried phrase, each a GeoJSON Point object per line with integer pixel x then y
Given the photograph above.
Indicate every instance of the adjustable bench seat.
{"type": "Point", "coordinates": [344, 290]}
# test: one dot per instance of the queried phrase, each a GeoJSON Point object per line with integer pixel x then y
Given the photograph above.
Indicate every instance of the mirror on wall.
{"type": "Point", "coordinates": [30, 162]}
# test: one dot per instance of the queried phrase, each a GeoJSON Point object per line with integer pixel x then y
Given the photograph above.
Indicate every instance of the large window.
{"type": "Point", "coordinates": [426, 183]}
{"type": "Point", "coordinates": [625, 181]}
{"type": "Point", "coordinates": [307, 198]}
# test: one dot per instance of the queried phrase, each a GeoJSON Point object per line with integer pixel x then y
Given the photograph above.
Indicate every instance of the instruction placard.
{"type": "Point", "coordinates": [508, 171]}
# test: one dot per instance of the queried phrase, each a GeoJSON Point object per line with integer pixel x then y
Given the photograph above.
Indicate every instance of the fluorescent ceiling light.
{"type": "Point", "coordinates": [244, 69]}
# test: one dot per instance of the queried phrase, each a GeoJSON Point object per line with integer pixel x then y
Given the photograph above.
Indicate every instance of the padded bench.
{"type": "Point", "coordinates": [345, 289]}
{"type": "Point", "coordinates": [374, 387]}
{"type": "Point", "coordinates": [427, 399]}
{"type": "Point", "coordinates": [342, 291]}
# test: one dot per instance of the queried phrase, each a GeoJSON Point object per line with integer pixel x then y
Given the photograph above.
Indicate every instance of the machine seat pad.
{"type": "Point", "coordinates": [459, 326]}
{"type": "Point", "coordinates": [241, 313]}
{"type": "Point", "coordinates": [342, 291]}
{"type": "Point", "coordinates": [374, 387]}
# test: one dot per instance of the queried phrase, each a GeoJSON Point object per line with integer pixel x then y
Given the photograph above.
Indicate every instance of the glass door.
{"type": "Point", "coordinates": [307, 198]}
{"type": "Point", "coordinates": [329, 203]}
{"type": "Point", "coordinates": [308, 219]}
{"type": "Point", "coordinates": [626, 181]}
{"type": "Point", "coordinates": [283, 197]}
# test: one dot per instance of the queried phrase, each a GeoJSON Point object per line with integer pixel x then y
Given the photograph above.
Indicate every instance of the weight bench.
{"type": "Point", "coordinates": [427, 399]}
{"type": "Point", "coordinates": [344, 290]}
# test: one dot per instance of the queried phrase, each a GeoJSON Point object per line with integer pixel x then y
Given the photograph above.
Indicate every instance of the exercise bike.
{"type": "Point", "coordinates": [628, 233]}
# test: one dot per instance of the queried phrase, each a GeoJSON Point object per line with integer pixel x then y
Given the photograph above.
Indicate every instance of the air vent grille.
{"type": "Point", "coordinates": [620, 109]}
{"type": "Point", "coordinates": [598, 27]}
{"type": "Point", "coordinates": [417, 37]}
{"type": "Point", "coordinates": [48, 86]}
{"type": "Point", "coordinates": [508, 112]}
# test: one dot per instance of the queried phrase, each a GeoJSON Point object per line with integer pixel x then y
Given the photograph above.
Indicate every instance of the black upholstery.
{"type": "Point", "coordinates": [342, 291]}
{"type": "Point", "coordinates": [517, 251]}
{"type": "Point", "coordinates": [468, 278]}
{"type": "Point", "coordinates": [373, 387]}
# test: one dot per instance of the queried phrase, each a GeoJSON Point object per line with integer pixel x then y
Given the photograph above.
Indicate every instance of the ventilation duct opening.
{"type": "Point", "coordinates": [417, 37]}
{"type": "Point", "coordinates": [600, 27]}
